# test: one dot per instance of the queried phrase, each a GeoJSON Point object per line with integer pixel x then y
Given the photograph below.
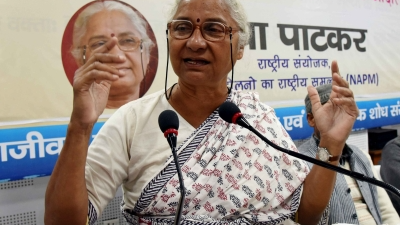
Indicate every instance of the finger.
{"type": "Point", "coordinates": [343, 91]}
{"type": "Point", "coordinates": [96, 72]}
{"type": "Point", "coordinates": [103, 67]}
{"type": "Point", "coordinates": [103, 82]}
{"type": "Point", "coordinates": [348, 105]}
{"type": "Point", "coordinates": [93, 63]}
{"type": "Point", "coordinates": [335, 67]}
{"type": "Point", "coordinates": [99, 75]}
{"type": "Point", "coordinates": [340, 87]}
{"type": "Point", "coordinates": [102, 53]}
{"type": "Point", "coordinates": [107, 58]}
{"type": "Point", "coordinates": [339, 81]}
{"type": "Point", "coordinates": [335, 72]}
{"type": "Point", "coordinates": [314, 98]}
{"type": "Point", "coordinates": [107, 46]}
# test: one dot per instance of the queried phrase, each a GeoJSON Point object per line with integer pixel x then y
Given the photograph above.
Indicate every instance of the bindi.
{"type": "Point", "coordinates": [198, 20]}
{"type": "Point", "coordinates": [112, 34]}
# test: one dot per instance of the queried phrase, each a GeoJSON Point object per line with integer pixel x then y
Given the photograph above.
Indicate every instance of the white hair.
{"type": "Point", "coordinates": [237, 13]}
{"type": "Point", "coordinates": [83, 18]}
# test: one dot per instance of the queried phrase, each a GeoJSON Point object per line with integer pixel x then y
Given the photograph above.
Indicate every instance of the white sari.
{"type": "Point", "coordinates": [231, 176]}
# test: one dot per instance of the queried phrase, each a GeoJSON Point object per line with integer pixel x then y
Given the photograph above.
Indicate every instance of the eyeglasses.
{"type": "Point", "coordinates": [125, 43]}
{"type": "Point", "coordinates": [211, 31]}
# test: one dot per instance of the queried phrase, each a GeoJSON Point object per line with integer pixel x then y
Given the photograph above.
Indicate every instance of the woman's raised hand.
{"type": "Point", "coordinates": [335, 118]}
{"type": "Point", "coordinates": [92, 82]}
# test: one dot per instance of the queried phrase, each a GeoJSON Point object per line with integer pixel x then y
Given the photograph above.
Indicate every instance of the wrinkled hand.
{"type": "Point", "coordinates": [335, 118]}
{"type": "Point", "coordinates": [92, 83]}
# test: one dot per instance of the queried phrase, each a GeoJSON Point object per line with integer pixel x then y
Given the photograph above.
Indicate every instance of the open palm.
{"type": "Point", "coordinates": [335, 118]}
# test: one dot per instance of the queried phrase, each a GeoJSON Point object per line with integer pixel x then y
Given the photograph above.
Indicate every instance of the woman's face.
{"type": "Point", "coordinates": [100, 27]}
{"type": "Point", "coordinates": [197, 61]}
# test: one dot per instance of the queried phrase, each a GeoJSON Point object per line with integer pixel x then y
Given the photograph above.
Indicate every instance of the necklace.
{"type": "Point", "coordinates": [170, 92]}
{"type": "Point", "coordinates": [172, 87]}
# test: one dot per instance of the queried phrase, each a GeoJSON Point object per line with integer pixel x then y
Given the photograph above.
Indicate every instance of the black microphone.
{"type": "Point", "coordinates": [169, 124]}
{"type": "Point", "coordinates": [229, 112]}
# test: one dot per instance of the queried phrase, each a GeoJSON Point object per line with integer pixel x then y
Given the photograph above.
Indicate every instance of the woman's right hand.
{"type": "Point", "coordinates": [92, 82]}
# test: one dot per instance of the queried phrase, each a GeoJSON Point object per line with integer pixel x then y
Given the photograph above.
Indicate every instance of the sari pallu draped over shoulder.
{"type": "Point", "coordinates": [231, 176]}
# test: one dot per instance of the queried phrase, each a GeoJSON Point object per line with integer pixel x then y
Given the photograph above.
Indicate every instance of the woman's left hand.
{"type": "Point", "coordinates": [335, 118]}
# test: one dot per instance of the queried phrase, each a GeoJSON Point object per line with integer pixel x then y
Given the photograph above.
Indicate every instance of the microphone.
{"type": "Point", "coordinates": [229, 112]}
{"type": "Point", "coordinates": [169, 124]}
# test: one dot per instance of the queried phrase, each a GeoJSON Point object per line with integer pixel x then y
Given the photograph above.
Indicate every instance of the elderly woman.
{"type": "Point", "coordinates": [231, 176]}
{"type": "Point", "coordinates": [94, 26]}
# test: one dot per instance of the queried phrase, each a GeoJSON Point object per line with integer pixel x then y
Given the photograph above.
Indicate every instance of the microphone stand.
{"type": "Point", "coordinates": [244, 123]}
{"type": "Point", "coordinates": [171, 138]}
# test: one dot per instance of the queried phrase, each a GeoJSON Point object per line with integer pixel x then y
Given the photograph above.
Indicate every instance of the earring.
{"type": "Point", "coordinates": [84, 54]}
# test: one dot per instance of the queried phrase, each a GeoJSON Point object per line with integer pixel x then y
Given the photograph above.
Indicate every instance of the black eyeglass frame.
{"type": "Point", "coordinates": [130, 50]}
{"type": "Point", "coordinates": [227, 29]}
{"type": "Point", "coordinates": [140, 44]}
{"type": "Point", "coordinates": [231, 30]}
